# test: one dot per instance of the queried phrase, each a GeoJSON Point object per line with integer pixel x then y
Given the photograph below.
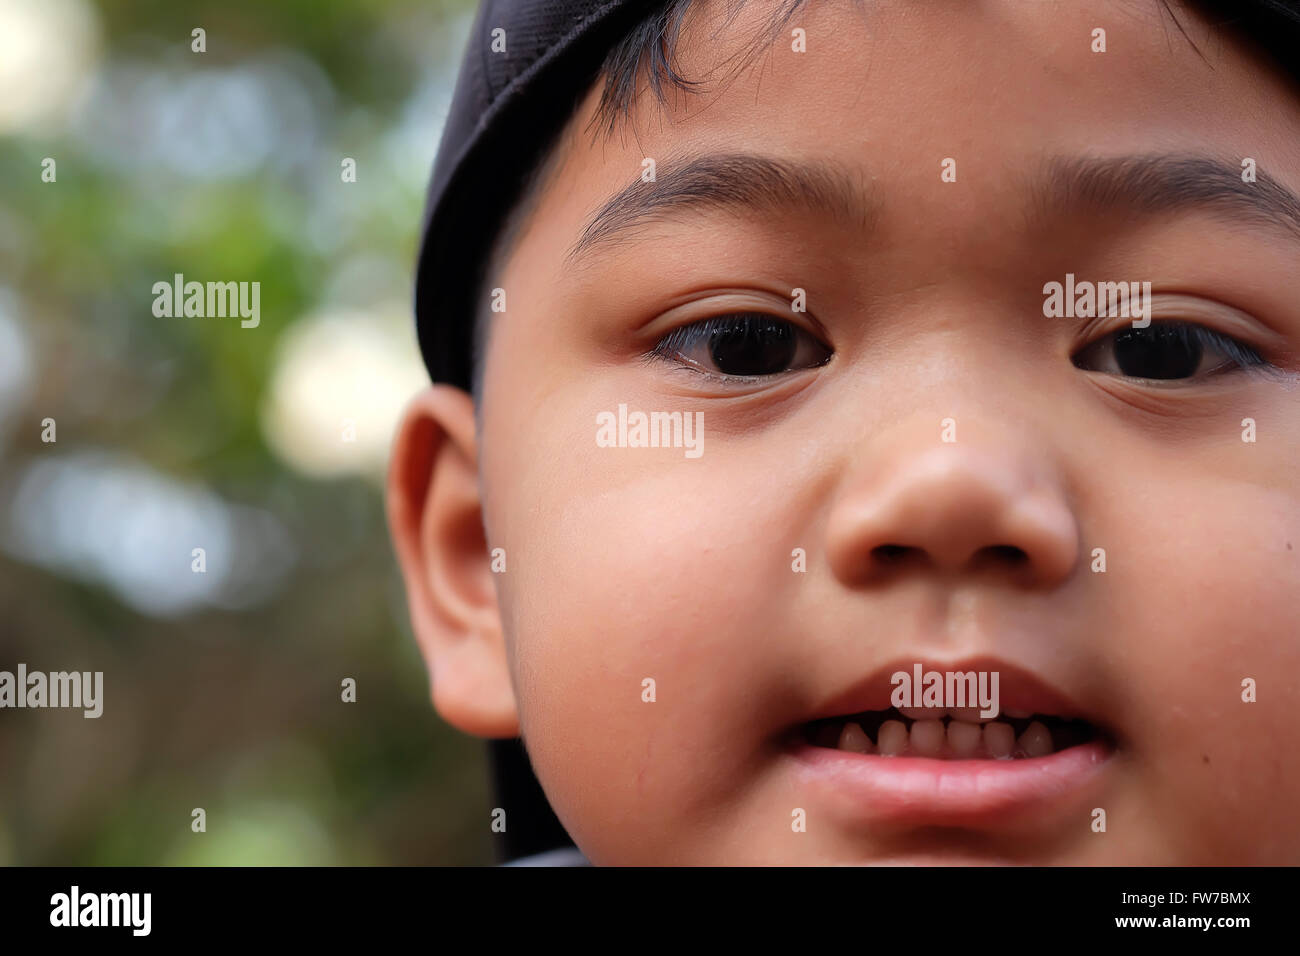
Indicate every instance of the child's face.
{"type": "Point", "coordinates": [628, 564]}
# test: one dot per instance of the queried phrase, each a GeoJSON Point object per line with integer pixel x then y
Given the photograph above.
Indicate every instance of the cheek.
{"type": "Point", "coordinates": [1210, 602]}
{"type": "Point", "coordinates": [631, 566]}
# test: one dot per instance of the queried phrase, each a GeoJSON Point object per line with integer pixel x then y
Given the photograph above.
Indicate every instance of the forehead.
{"type": "Point", "coordinates": [884, 91]}
{"type": "Point", "coordinates": [887, 90]}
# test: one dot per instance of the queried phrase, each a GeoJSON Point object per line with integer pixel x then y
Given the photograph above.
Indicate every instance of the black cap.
{"type": "Point", "coordinates": [507, 107]}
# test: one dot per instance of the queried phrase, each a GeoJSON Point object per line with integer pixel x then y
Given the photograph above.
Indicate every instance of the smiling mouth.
{"type": "Point", "coordinates": [951, 734]}
{"type": "Point", "coordinates": [1039, 761]}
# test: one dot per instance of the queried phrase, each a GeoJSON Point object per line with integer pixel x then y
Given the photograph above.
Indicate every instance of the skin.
{"type": "Point", "coordinates": [634, 563]}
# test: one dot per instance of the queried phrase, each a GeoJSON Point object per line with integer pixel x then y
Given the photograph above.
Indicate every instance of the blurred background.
{"type": "Point", "coordinates": [265, 446]}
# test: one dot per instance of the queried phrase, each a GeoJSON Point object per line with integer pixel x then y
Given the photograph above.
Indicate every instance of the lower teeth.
{"type": "Point", "coordinates": [950, 739]}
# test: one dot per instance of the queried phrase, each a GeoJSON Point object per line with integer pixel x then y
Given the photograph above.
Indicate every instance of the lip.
{"type": "Point", "coordinates": [1018, 689]}
{"type": "Point", "coordinates": [926, 791]}
{"type": "Point", "coordinates": [984, 793]}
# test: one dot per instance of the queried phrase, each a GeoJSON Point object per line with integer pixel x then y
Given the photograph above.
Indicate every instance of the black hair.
{"type": "Point", "coordinates": [649, 50]}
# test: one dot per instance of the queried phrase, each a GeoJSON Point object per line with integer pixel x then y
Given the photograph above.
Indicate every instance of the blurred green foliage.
{"type": "Point", "coordinates": [164, 167]}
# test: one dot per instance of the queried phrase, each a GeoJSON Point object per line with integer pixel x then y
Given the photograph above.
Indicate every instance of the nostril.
{"type": "Point", "coordinates": [890, 553]}
{"type": "Point", "coordinates": [898, 557]}
{"type": "Point", "coordinates": [1005, 554]}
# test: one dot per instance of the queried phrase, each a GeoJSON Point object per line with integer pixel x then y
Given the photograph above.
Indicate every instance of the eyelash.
{"type": "Point", "coordinates": [675, 346]}
{"type": "Point", "coordinates": [1239, 356]}
{"type": "Point", "coordinates": [672, 346]}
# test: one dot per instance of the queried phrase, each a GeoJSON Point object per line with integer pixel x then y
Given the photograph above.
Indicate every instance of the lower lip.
{"type": "Point", "coordinates": [925, 791]}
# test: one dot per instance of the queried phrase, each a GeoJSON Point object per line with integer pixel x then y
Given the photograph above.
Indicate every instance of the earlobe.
{"type": "Point", "coordinates": [435, 518]}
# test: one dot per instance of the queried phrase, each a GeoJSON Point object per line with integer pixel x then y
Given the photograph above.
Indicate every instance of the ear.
{"type": "Point", "coordinates": [435, 517]}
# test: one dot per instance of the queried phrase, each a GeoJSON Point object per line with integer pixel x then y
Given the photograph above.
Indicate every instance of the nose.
{"type": "Point", "coordinates": [987, 506]}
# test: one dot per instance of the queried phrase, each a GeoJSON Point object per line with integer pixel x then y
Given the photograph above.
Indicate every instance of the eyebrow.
{"type": "Point", "coordinates": [755, 186]}
{"type": "Point", "coordinates": [1163, 184]}
{"type": "Point", "coordinates": [743, 184]}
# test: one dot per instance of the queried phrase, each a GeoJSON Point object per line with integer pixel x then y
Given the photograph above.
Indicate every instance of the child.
{"type": "Point", "coordinates": [815, 344]}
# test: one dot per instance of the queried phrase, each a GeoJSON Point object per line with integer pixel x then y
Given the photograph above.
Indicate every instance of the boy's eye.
{"type": "Point", "coordinates": [1166, 351]}
{"type": "Point", "coordinates": [745, 344]}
